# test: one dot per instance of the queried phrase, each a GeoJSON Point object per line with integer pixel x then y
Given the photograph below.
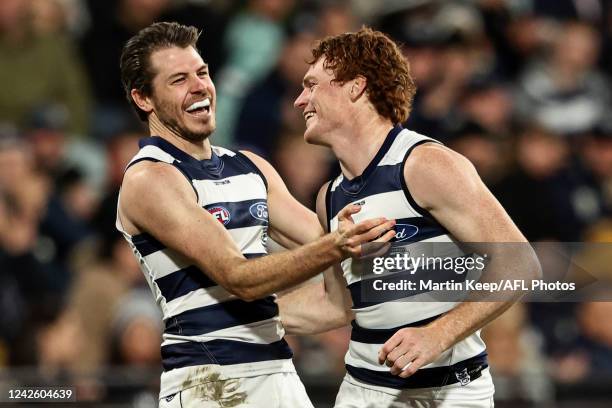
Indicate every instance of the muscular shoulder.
{"type": "Point", "coordinates": [150, 178]}
{"type": "Point", "coordinates": [435, 174]}
{"type": "Point", "coordinates": [150, 185]}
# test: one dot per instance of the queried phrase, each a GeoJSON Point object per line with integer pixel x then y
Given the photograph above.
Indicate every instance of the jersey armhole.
{"type": "Point", "coordinates": [252, 166]}
{"type": "Point", "coordinates": [409, 197]}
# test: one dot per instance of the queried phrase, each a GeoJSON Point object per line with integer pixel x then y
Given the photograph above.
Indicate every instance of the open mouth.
{"type": "Point", "coordinates": [308, 115]}
{"type": "Point", "coordinates": [199, 108]}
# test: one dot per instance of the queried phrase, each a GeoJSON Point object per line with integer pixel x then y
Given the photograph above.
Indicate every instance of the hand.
{"type": "Point", "coordinates": [410, 349]}
{"type": "Point", "coordinates": [350, 236]}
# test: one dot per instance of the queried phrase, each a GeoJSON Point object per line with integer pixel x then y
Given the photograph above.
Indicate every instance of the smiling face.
{"type": "Point", "coordinates": [325, 104]}
{"type": "Point", "coordinates": [183, 95]}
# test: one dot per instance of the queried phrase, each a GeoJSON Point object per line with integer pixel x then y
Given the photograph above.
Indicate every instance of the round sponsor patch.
{"type": "Point", "coordinates": [221, 214]}
{"type": "Point", "coordinates": [259, 211]}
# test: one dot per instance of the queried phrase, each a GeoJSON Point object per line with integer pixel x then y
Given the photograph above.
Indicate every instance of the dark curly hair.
{"type": "Point", "coordinates": [135, 62]}
{"type": "Point", "coordinates": [375, 56]}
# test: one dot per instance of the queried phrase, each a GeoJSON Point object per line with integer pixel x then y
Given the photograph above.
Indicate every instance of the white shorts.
{"type": "Point", "coordinates": [355, 394]}
{"type": "Point", "coordinates": [282, 390]}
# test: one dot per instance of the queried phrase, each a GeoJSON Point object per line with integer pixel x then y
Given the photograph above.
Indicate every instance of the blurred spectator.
{"type": "Point", "coordinates": [516, 355]}
{"type": "Point", "coordinates": [96, 295]}
{"type": "Point", "coordinates": [335, 17]}
{"type": "Point", "coordinates": [304, 168]}
{"type": "Point", "coordinates": [565, 92]}
{"type": "Point", "coordinates": [591, 356]}
{"type": "Point", "coordinates": [112, 24]}
{"type": "Point", "coordinates": [46, 133]}
{"type": "Point", "coordinates": [253, 40]}
{"type": "Point", "coordinates": [589, 10]}
{"type": "Point", "coordinates": [119, 151]}
{"type": "Point", "coordinates": [483, 149]}
{"type": "Point", "coordinates": [548, 197]}
{"type": "Point", "coordinates": [268, 107]}
{"type": "Point", "coordinates": [37, 69]}
{"type": "Point", "coordinates": [137, 330]}
{"type": "Point", "coordinates": [489, 103]}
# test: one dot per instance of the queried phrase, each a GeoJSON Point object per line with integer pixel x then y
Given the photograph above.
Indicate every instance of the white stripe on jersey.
{"type": "Point", "coordinates": [262, 332]}
{"type": "Point", "coordinates": [378, 205]}
{"type": "Point", "coordinates": [198, 298]}
{"type": "Point", "coordinates": [233, 189]}
{"type": "Point", "coordinates": [166, 261]}
{"type": "Point", "coordinates": [399, 313]}
{"type": "Point", "coordinates": [249, 239]}
{"type": "Point", "coordinates": [155, 152]}
{"type": "Point", "coordinates": [359, 354]}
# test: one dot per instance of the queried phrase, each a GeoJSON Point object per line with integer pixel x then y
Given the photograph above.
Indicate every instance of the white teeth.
{"type": "Point", "coordinates": [197, 105]}
{"type": "Point", "coordinates": [309, 115]}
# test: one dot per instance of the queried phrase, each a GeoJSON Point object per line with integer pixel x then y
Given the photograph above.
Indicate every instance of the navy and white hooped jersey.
{"type": "Point", "coordinates": [209, 331]}
{"type": "Point", "coordinates": [382, 192]}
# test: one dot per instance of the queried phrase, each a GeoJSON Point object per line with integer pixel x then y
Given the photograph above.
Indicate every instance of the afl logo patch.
{"type": "Point", "coordinates": [221, 214]}
{"type": "Point", "coordinates": [405, 231]}
{"type": "Point", "coordinates": [259, 211]}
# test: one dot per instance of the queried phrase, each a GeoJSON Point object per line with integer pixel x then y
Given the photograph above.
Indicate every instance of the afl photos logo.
{"type": "Point", "coordinates": [221, 214]}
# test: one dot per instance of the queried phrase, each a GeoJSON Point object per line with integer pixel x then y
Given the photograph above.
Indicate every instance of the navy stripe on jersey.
{"type": "Point", "coordinates": [380, 336]}
{"type": "Point", "coordinates": [223, 352]}
{"type": "Point", "coordinates": [356, 185]}
{"type": "Point", "coordinates": [183, 281]}
{"type": "Point", "coordinates": [214, 168]}
{"type": "Point", "coordinates": [146, 244]}
{"type": "Point", "coordinates": [384, 180]}
{"type": "Point", "coordinates": [242, 214]}
{"type": "Point", "coordinates": [414, 229]}
{"type": "Point", "coordinates": [364, 293]}
{"type": "Point", "coordinates": [469, 369]}
{"type": "Point", "coordinates": [219, 316]}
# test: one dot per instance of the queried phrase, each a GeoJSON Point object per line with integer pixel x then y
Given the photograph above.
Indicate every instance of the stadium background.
{"type": "Point", "coordinates": [521, 87]}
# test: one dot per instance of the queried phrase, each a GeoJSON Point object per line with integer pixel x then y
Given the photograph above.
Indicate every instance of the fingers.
{"type": "Point", "coordinates": [347, 211]}
{"type": "Point", "coordinates": [370, 230]}
{"type": "Point", "coordinates": [368, 225]}
{"type": "Point", "coordinates": [405, 362]}
{"type": "Point", "coordinates": [388, 236]}
{"type": "Point", "coordinates": [389, 346]}
{"type": "Point", "coordinates": [412, 368]}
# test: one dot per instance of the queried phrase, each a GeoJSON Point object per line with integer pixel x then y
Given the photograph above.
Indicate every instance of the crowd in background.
{"type": "Point", "coordinates": [520, 87]}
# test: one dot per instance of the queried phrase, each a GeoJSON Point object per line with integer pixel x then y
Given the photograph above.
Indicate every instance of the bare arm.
{"type": "Point", "coordinates": [291, 224]}
{"type": "Point", "coordinates": [168, 210]}
{"type": "Point", "coordinates": [319, 306]}
{"type": "Point", "coordinates": [447, 185]}
{"type": "Point", "coordinates": [314, 307]}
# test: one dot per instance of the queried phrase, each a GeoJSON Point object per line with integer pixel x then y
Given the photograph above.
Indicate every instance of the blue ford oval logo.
{"type": "Point", "coordinates": [405, 231]}
{"type": "Point", "coordinates": [259, 211]}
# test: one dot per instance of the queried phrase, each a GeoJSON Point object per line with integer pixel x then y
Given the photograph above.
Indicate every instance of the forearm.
{"type": "Point", "coordinates": [465, 319]}
{"type": "Point", "coordinates": [257, 278]}
{"type": "Point", "coordinates": [508, 261]}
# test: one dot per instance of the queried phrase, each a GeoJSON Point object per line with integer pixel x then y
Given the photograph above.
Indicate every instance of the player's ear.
{"type": "Point", "coordinates": [141, 100]}
{"type": "Point", "coordinates": [358, 87]}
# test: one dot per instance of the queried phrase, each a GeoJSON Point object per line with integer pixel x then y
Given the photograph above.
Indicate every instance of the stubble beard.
{"type": "Point", "coordinates": [170, 121]}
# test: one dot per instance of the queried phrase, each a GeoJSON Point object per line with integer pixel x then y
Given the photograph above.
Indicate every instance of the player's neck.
{"type": "Point", "coordinates": [358, 146]}
{"type": "Point", "coordinates": [199, 149]}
